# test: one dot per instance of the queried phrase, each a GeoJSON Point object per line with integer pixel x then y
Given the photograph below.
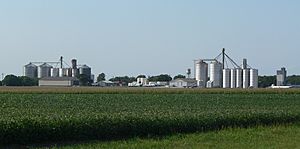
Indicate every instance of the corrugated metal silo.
{"type": "Point", "coordinates": [216, 74]}
{"type": "Point", "coordinates": [233, 78]}
{"type": "Point", "coordinates": [201, 72]}
{"type": "Point", "coordinates": [246, 77]}
{"type": "Point", "coordinates": [69, 72]}
{"type": "Point", "coordinates": [54, 72]}
{"type": "Point", "coordinates": [226, 78]}
{"type": "Point", "coordinates": [75, 72]}
{"type": "Point", "coordinates": [254, 78]}
{"type": "Point", "coordinates": [85, 70]}
{"type": "Point", "coordinates": [44, 70]}
{"type": "Point", "coordinates": [31, 70]}
{"type": "Point", "coordinates": [239, 78]}
{"type": "Point", "coordinates": [62, 72]}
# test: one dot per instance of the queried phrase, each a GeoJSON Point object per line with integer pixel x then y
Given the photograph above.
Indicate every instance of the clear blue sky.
{"type": "Point", "coordinates": [131, 37]}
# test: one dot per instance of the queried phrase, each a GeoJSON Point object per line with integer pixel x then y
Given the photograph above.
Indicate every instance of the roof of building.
{"type": "Point", "coordinates": [30, 65]}
{"type": "Point", "coordinates": [45, 65]}
{"type": "Point", "coordinates": [59, 79]}
{"type": "Point", "coordinates": [84, 67]}
{"type": "Point", "coordinates": [184, 80]}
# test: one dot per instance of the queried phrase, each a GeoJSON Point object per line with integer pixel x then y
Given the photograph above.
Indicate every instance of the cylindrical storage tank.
{"type": "Point", "coordinates": [62, 72]}
{"type": "Point", "coordinates": [246, 77]}
{"type": "Point", "coordinates": [31, 70]}
{"type": "Point", "coordinates": [239, 78]}
{"type": "Point", "coordinates": [74, 64]}
{"type": "Point", "coordinates": [69, 72]}
{"type": "Point", "coordinates": [254, 78]}
{"type": "Point", "coordinates": [226, 78]}
{"type": "Point", "coordinates": [44, 70]}
{"type": "Point", "coordinates": [216, 74]}
{"type": "Point", "coordinates": [233, 78]}
{"type": "Point", "coordinates": [85, 70]}
{"type": "Point", "coordinates": [54, 72]}
{"type": "Point", "coordinates": [201, 72]}
{"type": "Point", "coordinates": [75, 72]}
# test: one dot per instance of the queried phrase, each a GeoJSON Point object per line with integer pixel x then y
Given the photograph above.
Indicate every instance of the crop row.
{"type": "Point", "coordinates": [35, 118]}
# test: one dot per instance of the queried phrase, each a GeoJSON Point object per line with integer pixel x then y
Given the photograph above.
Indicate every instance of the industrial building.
{"type": "Point", "coordinates": [281, 77]}
{"type": "Point", "coordinates": [183, 83]}
{"type": "Point", "coordinates": [222, 76]}
{"type": "Point", "coordinates": [49, 72]}
{"type": "Point", "coordinates": [58, 81]}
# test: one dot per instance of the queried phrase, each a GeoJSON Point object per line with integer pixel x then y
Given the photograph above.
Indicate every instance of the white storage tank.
{"type": "Point", "coordinates": [226, 78]}
{"type": "Point", "coordinates": [54, 72]}
{"type": "Point", "coordinates": [44, 70]}
{"type": "Point", "coordinates": [254, 78]}
{"type": "Point", "coordinates": [62, 72]}
{"type": "Point", "coordinates": [233, 78]}
{"type": "Point", "coordinates": [75, 72]}
{"type": "Point", "coordinates": [239, 78]}
{"type": "Point", "coordinates": [216, 74]}
{"type": "Point", "coordinates": [31, 70]}
{"type": "Point", "coordinates": [201, 72]}
{"type": "Point", "coordinates": [246, 77]}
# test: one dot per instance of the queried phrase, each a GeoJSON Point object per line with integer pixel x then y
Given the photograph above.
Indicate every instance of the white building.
{"type": "Point", "coordinates": [58, 81]}
{"type": "Point", "coordinates": [183, 83]}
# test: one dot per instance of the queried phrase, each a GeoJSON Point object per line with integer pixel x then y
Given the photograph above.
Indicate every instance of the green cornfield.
{"type": "Point", "coordinates": [33, 115]}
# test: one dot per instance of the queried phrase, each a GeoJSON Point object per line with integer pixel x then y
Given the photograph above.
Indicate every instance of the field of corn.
{"type": "Point", "coordinates": [38, 115]}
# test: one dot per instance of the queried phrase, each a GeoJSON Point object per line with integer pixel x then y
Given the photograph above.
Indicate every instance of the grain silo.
{"type": "Point", "coordinates": [44, 70]}
{"type": "Point", "coordinates": [253, 78]}
{"type": "Point", "coordinates": [54, 72]}
{"type": "Point", "coordinates": [226, 78]}
{"type": "Point", "coordinates": [31, 70]}
{"type": "Point", "coordinates": [246, 77]}
{"type": "Point", "coordinates": [216, 74]}
{"type": "Point", "coordinates": [201, 73]}
{"type": "Point", "coordinates": [233, 78]}
{"type": "Point", "coordinates": [86, 70]}
{"type": "Point", "coordinates": [239, 78]}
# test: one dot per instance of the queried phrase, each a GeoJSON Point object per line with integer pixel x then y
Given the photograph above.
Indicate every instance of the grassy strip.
{"type": "Point", "coordinates": [287, 136]}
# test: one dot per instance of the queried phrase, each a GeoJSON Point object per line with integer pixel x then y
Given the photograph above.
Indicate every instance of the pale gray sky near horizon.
{"type": "Point", "coordinates": [131, 37]}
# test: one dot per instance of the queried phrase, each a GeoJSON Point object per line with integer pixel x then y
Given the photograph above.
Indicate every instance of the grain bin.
{"type": "Point", "coordinates": [216, 74]}
{"type": "Point", "coordinates": [253, 78]}
{"type": "Point", "coordinates": [233, 78]}
{"type": "Point", "coordinates": [246, 77]}
{"type": "Point", "coordinates": [226, 78]}
{"type": "Point", "coordinates": [44, 70]}
{"type": "Point", "coordinates": [201, 72]}
{"type": "Point", "coordinates": [31, 70]}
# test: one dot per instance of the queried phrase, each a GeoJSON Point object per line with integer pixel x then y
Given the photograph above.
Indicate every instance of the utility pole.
{"type": "Point", "coordinates": [223, 60]}
{"type": "Point", "coordinates": [61, 62]}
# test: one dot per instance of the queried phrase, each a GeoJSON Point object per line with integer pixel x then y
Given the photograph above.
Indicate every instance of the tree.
{"type": "Point", "coordinates": [266, 81]}
{"type": "Point", "coordinates": [27, 81]}
{"type": "Point", "coordinates": [84, 80]}
{"type": "Point", "coordinates": [123, 80]}
{"type": "Point", "coordinates": [293, 80]}
{"type": "Point", "coordinates": [0, 83]}
{"type": "Point", "coordinates": [101, 77]}
{"type": "Point", "coordinates": [160, 78]}
{"type": "Point", "coordinates": [179, 77]}
{"type": "Point", "coordinates": [141, 76]}
{"type": "Point", "coordinates": [11, 80]}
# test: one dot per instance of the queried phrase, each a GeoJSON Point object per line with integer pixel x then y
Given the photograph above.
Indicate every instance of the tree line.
{"type": "Point", "coordinates": [12, 80]}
